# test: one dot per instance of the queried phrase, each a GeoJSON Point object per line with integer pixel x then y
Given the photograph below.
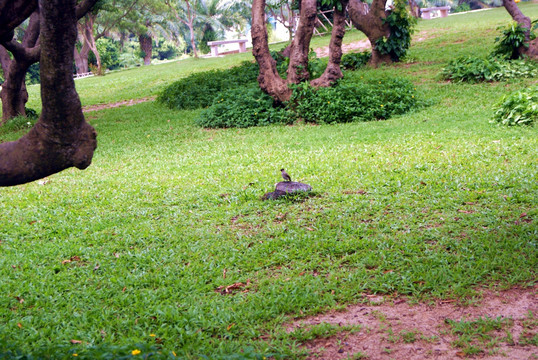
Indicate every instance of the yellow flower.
{"type": "Point", "coordinates": [328, 102]}
{"type": "Point", "coordinates": [381, 105]}
{"type": "Point", "coordinates": [412, 96]}
{"type": "Point", "coordinates": [174, 353]}
{"type": "Point", "coordinates": [135, 352]}
{"type": "Point", "coordinates": [152, 335]}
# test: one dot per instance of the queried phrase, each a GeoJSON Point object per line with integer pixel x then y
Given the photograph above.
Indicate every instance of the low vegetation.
{"type": "Point", "coordinates": [164, 248]}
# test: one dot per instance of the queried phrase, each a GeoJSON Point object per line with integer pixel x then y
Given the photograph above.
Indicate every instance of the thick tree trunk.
{"type": "Point", "coordinates": [13, 94]}
{"type": "Point", "coordinates": [61, 138]}
{"type": "Point", "coordinates": [300, 46]}
{"type": "Point", "coordinates": [81, 58]}
{"type": "Point", "coordinates": [333, 71]}
{"type": "Point", "coordinates": [371, 24]}
{"type": "Point", "coordinates": [146, 45]}
{"type": "Point", "coordinates": [525, 22]}
{"type": "Point", "coordinates": [269, 79]}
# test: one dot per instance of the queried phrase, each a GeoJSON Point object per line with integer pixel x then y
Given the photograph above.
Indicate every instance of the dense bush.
{"type": "Point", "coordinates": [164, 50]}
{"type": "Point", "coordinates": [519, 108]}
{"type": "Point", "coordinates": [199, 89]}
{"type": "Point", "coordinates": [242, 107]}
{"type": "Point", "coordinates": [461, 8]}
{"type": "Point", "coordinates": [349, 100]}
{"type": "Point", "coordinates": [476, 69]}
{"type": "Point", "coordinates": [354, 61]}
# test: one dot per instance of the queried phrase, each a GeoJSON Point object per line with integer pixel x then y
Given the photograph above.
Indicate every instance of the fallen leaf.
{"type": "Point", "coordinates": [19, 325]}
{"type": "Point", "coordinates": [230, 326]}
{"type": "Point", "coordinates": [466, 211]}
{"type": "Point", "coordinates": [19, 299]}
{"type": "Point", "coordinates": [75, 341]}
{"type": "Point", "coordinates": [96, 267]}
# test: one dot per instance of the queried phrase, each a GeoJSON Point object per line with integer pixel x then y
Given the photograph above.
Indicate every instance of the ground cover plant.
{"type": "Point", "coordinates": [163, 247]}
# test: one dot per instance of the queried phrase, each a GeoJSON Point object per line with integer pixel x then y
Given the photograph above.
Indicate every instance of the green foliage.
{"type": "Point", "coordinates": [109, 53]}
{"type": "Point", "coordinates": [165, 50]}
{"type": "Point", "coordinates": [350, 100]}
{"type": "Point", "coordinates": [354, 61]}
{"type": "Point", "coordinates": [512, 39]}
{"type": "Point", "coordinates": [242, 107]}
{"type": "Point", "coordinates": [347, 101]}
{"type": "Point", "coordinates": [19, 123]}
{"type": "Point", "coordinates": [32, 75]}
{"type": "Point", "coordinates": [476, 69]}
{"type": "Point", "coordinates": [463, 7]}
{"type": "Point", "coordinates": [519, 108]}
{"type": "Point", "coordinates": [198, 90]}
{"type": "Point", "coordinates": [401, 25]}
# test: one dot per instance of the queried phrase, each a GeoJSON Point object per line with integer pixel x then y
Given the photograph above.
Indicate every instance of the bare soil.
{"type": "Point", "coordinates": [131, 102]}
{"type": "Point", "coordinates": [396, 329]}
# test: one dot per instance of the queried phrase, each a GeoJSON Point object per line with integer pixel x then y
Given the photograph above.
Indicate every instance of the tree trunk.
{"type": "Point", "coordinates": [300, 46]}
{"type": "Point", "coordinates": [13, 94]}
{"type": "Point", "coordinates": [81, 58]}
{"type": "Point", "coordinates": [193, 42]}
{"type": "Point", "coordinates": [525, 22]}
{"type": "Point", "coordinates": [415, 9]}
{"type": "Point", "coordinates": [269, 79]}
{"type": "Point", "coordinates": [333, 71]}
{"type": "Point", "coordinates": [371, 24]}
{"type": "Point", "coordinates": [146, 45]}
{"type": "Point", "coordinates": [61, 138]}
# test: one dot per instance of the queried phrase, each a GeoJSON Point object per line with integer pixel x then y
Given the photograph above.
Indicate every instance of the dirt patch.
{"type": "Point", "coordinates": [131, 102]}
{"type": "Point", "coordinates": [396, 329]}
{"type": "Point", "coordinates": [357, 45]}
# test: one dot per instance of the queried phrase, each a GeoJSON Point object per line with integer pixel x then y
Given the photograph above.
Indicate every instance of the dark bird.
{"type": "Point", "coordinates": [285, 175]}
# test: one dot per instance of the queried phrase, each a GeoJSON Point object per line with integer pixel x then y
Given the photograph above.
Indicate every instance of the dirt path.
{"type": "Point", "coordinates": [89, 108]}
{"type": "Point", "coordinates": [396, 329]}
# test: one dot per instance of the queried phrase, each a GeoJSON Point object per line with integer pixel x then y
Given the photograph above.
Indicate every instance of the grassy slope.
{"type": "Point", "coordinates": [167, 208]}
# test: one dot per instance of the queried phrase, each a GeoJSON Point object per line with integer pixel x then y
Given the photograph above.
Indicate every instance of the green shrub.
{"type": "Point", "coordinates": [519, 108]}
{"type": "Point", "coordinates": [199, 89]}
{"type": "Point", "coordinates": [109, 52]}
{"type": "Point", "coordinates": [461, 8]}
{"type": "Point", "coordinates": [475, 69]}
{"type": "Point", "coordinates": [18, 123]}
{"type": "Point", "coordinates": [513, 37]}
{"type": "Point", "coordinates": [242, 107]}
{"type": "Point", "coordinates": [354, 61]}
{"type": "Point", "coordinates": [349, 100]}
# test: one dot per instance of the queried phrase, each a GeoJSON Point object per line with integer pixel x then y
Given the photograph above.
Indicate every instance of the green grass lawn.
{"type": "Point", "coordinates": [134, 252]}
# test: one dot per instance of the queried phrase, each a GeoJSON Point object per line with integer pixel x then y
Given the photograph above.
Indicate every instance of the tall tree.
{"type": "Point", "coordinates": [61, 138]}
{"type": "Point", "coordinates": [269, 79]}
{"type": "Point", "coordinates": [184, 12]}
{"type": "Point", "coordinates": [282, 11]}
{"type": "Point", "coordinates": [530, 48]}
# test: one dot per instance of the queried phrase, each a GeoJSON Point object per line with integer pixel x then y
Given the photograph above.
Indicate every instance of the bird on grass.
{"type": "Point", "coordinates": [285, 175]}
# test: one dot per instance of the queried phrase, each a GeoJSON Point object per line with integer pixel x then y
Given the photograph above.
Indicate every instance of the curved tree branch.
{"type": "Point", "coordinates": [12, 14]}
{"type": "Point", "coordinates": [61, 138]}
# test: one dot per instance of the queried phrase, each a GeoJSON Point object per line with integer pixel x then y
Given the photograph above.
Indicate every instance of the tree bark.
{"type": "Point", "coordinates": [269, 79]}
{"type": "Point", "coordinates": [372, 25]}
{"type": "Point", "coordinates": [415, 9]}
{"type": "Point", "coordinates": [525, 22]}
{"type": "Point", "coordinates": [61, 138]}
{"type": "Point", "coordinates": [300, 46]}
{"type": "Point", "coordinates": [81, 58]}
{"type": "Point", "coordinates": [12, 14]}
{"type": "Point", "coordinates": [146, 45]}
{"type": "Point", "coordinates": [333, 71]}
{"type": "Point", "coordinates": [13, 94]}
